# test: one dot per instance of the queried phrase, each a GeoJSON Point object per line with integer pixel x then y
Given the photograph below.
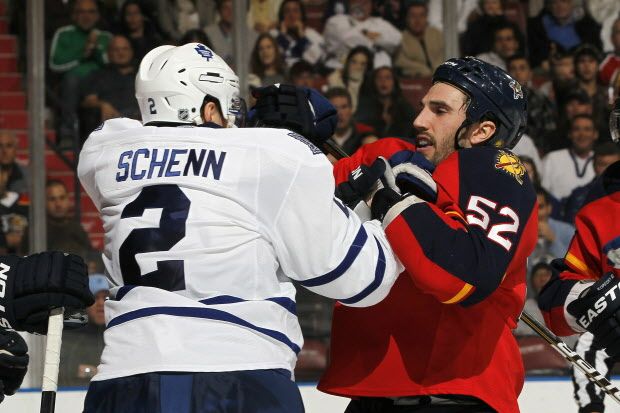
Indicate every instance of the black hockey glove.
{"type": "Point", "coordinates": [36, 284]}
{"type": "Point", "coordinates": [597, 310]}
{"type": "Point", "coordinates": [13, 362]}
{"type": "Point", "coordinates": [299, 109]}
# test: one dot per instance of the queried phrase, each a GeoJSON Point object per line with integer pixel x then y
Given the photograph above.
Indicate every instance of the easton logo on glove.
{"type": "Point", "coordinates": [603, 295]}
{"type": "Point", "coordinates": [4, 269]}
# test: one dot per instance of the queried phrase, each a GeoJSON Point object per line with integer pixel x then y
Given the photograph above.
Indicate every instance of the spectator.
{"type": "Point", "coordinates": [302, 74]}
{"type": "Point", "coordinates": [611, 63]}
{"type": "Point", "coordinates": [539, 276]}
{"type": "Point", "coordinates": [13, 218]}
{"type": "Point", "coordinates": [476, 39]}
{"type": "Point", "coordinates": [553, 235]}
{"type": "Point", "coordinates": [176, 17]}
{"type": "Point", "coordinates": [526, 147]}
{"type": "Point", "coordinates": [77, 50]}
{"type": "Point", "coordinates": [558, 24]}
{"type": "Point", "coordinates": [541, 115]}
{"type": "Point", "coordinates": [221, 33]}
{"type": "Point", "coordinates": [266, 62]}
{"type": "Point", "coordinates": [110, 91]}
{"type": "Point", "coordinates": [356, 71]}
{"type": "Point", "coordinates": [505, 45]}
{"type": "Point", "coordinates": [138, 28]}
{"type": "Point", "coordinates": [562, 68]}
{"type": "Point", "coordinates": [531, 169]}
{"type": "Point", "coordinates": [263, 15]}
{"type": "Point", "coordinates": [604, 155]}
{"type": "Point", "coordinates": [81, 348]}
{"type": "Point", "coordinates": [566, 169]}
{"type": "Point", "coordinates": [385, 109]}
{"type": "Point", "coordinates": [64, 233]}
{"type": "Point", "coordinates": [196, 36]}
{"type": "Point", "coordinates": [348, 134]}
{"type": "Point", "coordinates": [587, 59]}
{"type": "Point", "coordinates": [422, 48]}
{"type": "Point", "coordinates": [17, 174]}
{"type": "Point", "coordinates": [393, 11]}
{"type": "Point", "coordinates": [297, 40]}
{"type": "Point", "coordinates": [358, 28]}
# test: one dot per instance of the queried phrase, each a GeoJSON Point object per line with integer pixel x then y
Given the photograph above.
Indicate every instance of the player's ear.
{"type": "Point", "coordinates": [211, 113]}
{"type": "Point", "coordinates": [482, 132]}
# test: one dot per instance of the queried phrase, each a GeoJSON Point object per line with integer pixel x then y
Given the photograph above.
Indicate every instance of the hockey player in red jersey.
{"type": "Point", "coordinates": [441, 341]}
{"type": "Point", "coordinates": [585, 296]}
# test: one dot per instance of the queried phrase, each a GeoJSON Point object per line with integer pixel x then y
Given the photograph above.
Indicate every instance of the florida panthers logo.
{"type": "Point", "coordinates": [204, 51]}
{"type": "Point", "coordinates": [517, 89]}
{"type": "Point", "coordinates": [510, 164]}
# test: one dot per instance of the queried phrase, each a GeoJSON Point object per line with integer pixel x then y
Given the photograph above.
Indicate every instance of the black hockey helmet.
{"type": "Point", "coordinates": [494, 95]}
{"type": "Point", "coordinates": [614, 121]}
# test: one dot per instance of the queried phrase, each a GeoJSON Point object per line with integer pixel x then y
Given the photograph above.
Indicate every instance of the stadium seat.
{"type": "Point", "coordinates": [539, 358]}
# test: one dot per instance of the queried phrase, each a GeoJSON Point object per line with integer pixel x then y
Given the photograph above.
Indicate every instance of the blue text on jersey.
{"type": "Point", "coordinates": [169, 163]}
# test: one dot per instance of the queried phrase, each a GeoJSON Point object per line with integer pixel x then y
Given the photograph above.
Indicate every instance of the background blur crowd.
{"type": "Point", "coordinates": [372, 59]}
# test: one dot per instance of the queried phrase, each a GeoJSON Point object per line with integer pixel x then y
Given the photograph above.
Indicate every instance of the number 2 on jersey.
{"type": "Point", "coordinates": [170, 274]}
{"type": "Point", "coordinates": [482, 219]}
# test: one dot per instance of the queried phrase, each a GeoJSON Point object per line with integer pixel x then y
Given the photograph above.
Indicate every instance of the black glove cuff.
{"type": "Point", "coordinates": [382, 201]}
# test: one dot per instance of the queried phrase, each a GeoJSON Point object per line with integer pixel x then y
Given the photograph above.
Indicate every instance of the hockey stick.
{"type": "Point", "coordinates": [52, 360]}
{"type": "Point", "coordinates": [575, 359]}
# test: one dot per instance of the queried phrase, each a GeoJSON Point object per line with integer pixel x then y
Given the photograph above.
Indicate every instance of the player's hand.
{"type": "Point", "coordinates": [38, 283]}
{"type": "Point", "coordinates": [364, 181]}
{"type": "Point", "coordinates": [13, 362]}
{"type": "Point", "coordinates": [413, 174]}
{"type": "Point", "coordinates": [299, 109]}
{"type": "Point", "coordinates": [597, 310]}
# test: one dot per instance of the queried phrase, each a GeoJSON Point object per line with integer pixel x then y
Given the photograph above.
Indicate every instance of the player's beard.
{"type": "Point", "coordinates": [443, 149]}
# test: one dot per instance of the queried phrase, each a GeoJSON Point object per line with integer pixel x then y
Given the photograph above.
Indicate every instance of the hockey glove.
{"type": "Point", "coordinates": [299, 109]}
{"type": "Point", "coordinates": [597, 310]}
{"type": "Point", "coordinates": [364, 181]}
{"type": "Point", "coordinates": [36, 284]}
{"type": "Point", "coordinates": [13, 362]}
{"type": "Point", "coordinates": [413, 174]}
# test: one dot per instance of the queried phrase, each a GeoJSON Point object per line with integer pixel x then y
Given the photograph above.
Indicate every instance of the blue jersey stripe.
{"type": "Point", "coordinates": [354, 250]}
{"type": "Point", "coordinates": [285, 302]}
{"type": "Point", "coordinates": [379, 274]}
{"type": "Point", "coordinates": [123, 291]}
{"type": "Point", "coordinates": [208, 313]}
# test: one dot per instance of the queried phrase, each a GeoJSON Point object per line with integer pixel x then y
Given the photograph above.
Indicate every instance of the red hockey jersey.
{"type": "Point", "coordinates": [593, 251]}
{"type": "Point", "coordinates": [445, 327]}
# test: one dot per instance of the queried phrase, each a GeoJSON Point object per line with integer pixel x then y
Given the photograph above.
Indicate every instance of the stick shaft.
{"type": "Point", "coordinates": [52, 360]}
{"type": "Point", "coordinates": [575, 359]}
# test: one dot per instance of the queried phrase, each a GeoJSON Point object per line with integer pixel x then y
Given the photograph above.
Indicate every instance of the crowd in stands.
{"type": "Point", "coordinates": [364, 55]}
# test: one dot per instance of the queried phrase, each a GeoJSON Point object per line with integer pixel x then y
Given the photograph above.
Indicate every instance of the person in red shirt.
{"type": "Point", "coordinates": [584, 296]}
{"type": "Point", "coordinates": [442, 341]}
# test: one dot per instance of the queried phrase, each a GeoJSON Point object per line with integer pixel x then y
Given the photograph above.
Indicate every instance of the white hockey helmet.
{"type": "Point", "coordinates": [172, 84]}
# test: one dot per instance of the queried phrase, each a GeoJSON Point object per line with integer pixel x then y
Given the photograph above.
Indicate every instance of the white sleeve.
{"type": "Point", "coordinates": [314, 52]}
{"type": "Point", "coordinates": [323, 245]}
{"type": "Point", "coordinates": [390, 37]}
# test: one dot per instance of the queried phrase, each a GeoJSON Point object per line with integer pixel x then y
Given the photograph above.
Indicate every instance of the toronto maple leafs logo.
{"type": "Point", "coordinates": [204, 51]}
{"type": "Point", "coordinates": [516, 88]}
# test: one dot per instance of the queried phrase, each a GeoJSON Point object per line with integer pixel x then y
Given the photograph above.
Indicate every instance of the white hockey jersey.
{"type": "Point", "coordinates": [204, 230]}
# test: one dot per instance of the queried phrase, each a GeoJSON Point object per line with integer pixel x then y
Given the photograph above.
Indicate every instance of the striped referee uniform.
{"type": "Point", "coordinates": [589, 397]}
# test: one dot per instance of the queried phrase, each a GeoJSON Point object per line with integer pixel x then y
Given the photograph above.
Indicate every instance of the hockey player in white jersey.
{"type": "Point", "coordinates": [205, 227]}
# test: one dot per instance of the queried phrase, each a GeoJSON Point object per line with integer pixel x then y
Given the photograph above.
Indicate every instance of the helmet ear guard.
{"type": "Point", "coordinates": [493, 95]}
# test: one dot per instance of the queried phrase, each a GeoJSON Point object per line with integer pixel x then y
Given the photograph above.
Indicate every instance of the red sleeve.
{"type": "Point", "coordinates": [367, 154]}
{"type": "Point", "coordinates": [482, 229]}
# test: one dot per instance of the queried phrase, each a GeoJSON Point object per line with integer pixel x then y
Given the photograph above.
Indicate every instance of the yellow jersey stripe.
{"type": "Point", "coordinates": [460, 295]}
